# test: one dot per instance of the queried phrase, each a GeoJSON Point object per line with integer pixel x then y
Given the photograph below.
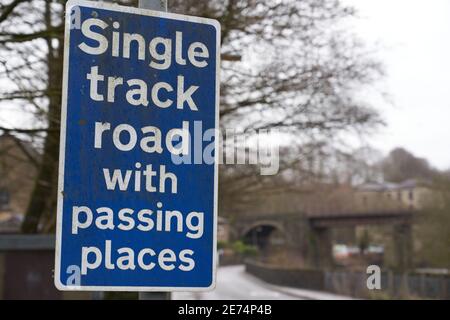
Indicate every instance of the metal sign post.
{"type": "Point", "coordinates": [158, 5]}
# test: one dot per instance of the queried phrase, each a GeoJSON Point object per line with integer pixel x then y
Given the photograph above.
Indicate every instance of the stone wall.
{"type": "Point", "coordinates": [393, 285]}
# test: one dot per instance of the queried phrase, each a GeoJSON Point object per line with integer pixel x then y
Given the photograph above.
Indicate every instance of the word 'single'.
{"type": "Point", "coordinates": [159, 48]}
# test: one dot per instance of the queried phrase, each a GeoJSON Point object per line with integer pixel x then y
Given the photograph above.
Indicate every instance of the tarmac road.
{"type": "Point", "coordinates": [233, 283]}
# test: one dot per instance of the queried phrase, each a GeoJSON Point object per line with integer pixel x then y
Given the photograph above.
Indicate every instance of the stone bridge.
{"type": "Point", "coordinates": [309, 234]}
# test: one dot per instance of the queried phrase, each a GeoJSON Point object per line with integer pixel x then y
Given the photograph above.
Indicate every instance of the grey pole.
{"type": "Point", "coordinates": [158, 5]}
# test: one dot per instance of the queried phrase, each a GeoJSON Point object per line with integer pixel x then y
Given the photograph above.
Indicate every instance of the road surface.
{"type": "Point", "coordinates": [233, 283]}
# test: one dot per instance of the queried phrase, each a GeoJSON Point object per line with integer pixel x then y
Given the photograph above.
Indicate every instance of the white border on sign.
{"type": "Point", "coordinates": [62, 148]}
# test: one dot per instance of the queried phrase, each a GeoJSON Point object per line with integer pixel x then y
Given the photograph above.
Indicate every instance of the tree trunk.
{"type": "Point", "coordinates": [42, 197]}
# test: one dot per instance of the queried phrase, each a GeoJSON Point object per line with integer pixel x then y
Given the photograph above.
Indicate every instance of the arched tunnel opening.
{"type": "Point", "coordinates": [264, 237]}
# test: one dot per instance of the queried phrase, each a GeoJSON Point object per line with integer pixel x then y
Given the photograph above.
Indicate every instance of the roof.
{"type": "Point", "coordinates": [27, 148]}
{"type": "Point", "coordinates": [9, 222]}
{"type": "Point", "coordinates": [392, 186]}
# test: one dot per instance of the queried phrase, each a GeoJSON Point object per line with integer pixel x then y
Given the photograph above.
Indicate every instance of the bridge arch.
{"type": "Point", "coordinates": [264, 234]}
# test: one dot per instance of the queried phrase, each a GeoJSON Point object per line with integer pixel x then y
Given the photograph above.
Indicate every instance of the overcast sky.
{"type": "Point", "coordinates": [415, 40]}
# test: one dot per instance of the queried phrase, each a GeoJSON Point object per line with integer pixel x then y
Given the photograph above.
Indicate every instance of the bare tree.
{"type": "Point", "coordinates": [289, 65]}
{"type": "Point", "coordinates": [401, 165]}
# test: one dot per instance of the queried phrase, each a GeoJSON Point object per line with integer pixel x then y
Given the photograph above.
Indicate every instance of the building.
{"type": "Point", "coordinates": [18, 170]}
{"type": "Point", "coordinates": [411, 193]}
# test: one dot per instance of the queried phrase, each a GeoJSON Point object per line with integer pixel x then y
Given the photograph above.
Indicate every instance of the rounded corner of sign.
{"type": "Point", "coordinates": [215, 24]}
{"type": "Point", "coordinates": [72, 3]}
{"type": "Point", "coordinates": [59, 285]}
{"type": "Point", "coordinates": [211, 287]}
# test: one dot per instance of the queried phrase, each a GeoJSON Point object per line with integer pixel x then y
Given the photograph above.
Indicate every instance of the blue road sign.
{"type": "Point", "coordinates": [137, 193]}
